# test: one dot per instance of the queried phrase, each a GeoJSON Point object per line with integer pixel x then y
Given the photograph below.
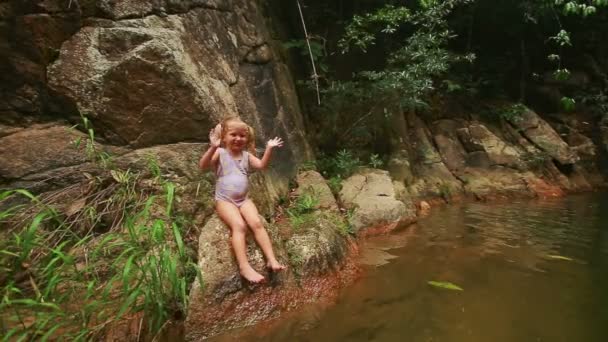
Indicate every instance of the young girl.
{"type": "Point", "coordinates": [231, 163]}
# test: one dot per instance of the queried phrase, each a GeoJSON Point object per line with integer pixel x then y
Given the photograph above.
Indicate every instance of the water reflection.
{"type": "Point", "coordinates": [507, 257]}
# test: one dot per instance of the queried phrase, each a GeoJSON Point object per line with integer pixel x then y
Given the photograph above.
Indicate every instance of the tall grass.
{"type": "Point", "coordinates": [72, 271]}
{"type": "Point", "coordinates": [76, 287]}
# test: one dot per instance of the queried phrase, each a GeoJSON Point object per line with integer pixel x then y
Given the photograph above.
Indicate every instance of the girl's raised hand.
{"type": "Point", "coordinates": [215, 136]}
{"type": "Point", "coordinates": [275, 142]}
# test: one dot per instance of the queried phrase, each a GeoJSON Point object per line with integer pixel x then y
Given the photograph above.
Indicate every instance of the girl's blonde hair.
{"type": "Point", "coordinates": [235, 121]}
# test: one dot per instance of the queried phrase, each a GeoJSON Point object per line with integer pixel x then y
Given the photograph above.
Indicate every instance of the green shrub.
{"type": "Point", "coordinates": [301, 211]}
{"type": "Point", "coordinates": [512, 112]}
{"type": "Point", "coordinates": [375, 161]}
{"type": "Point", "coordinates": [342, 165]}
{"type": "Point", "coordinates": [335, 184]}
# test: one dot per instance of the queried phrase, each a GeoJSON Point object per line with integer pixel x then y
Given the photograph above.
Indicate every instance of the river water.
{"type": "Point", "coordinates": [533, 270]}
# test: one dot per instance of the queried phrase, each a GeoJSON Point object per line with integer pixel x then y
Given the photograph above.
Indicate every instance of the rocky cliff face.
{"type": "Point", "coordinates": [144, 72]}
{"type": "Point", "coordinates": [466, 155]}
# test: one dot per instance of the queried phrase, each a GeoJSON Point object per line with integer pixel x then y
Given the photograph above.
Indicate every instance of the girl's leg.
{"type": "Point", "coordinates": [230, 214]}
{"type": "Point", "coordinates": [250, 213]}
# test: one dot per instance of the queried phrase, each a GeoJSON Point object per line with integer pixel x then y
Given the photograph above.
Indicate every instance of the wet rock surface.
{"type": "Point", "coordinates": [370, 195]}
{"type": "Point", "coordinates": [317, 256]}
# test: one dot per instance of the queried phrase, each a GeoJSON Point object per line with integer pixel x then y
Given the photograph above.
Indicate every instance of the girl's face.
{"type": "Point", "coordinates": [236, 137]}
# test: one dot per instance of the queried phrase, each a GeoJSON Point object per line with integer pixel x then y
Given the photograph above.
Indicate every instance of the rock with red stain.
{"type": "Point", "coordinates": [319, 263]}
{"type": "Point", "coordinates": [424, 208]}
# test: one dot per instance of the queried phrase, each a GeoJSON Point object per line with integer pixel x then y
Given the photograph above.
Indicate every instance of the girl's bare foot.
{"type": "Point", "coordinates": [275, 266]}
{"type": "Point", "coordinates": [252, 276]}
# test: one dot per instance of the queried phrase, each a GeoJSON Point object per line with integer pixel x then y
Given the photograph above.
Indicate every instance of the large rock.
{"type": "Point", "coordinates": [371, 196]}
{"type": "Point", "coordinates": [497, 182]}
{"type": "Point", "coordinates": [448, 145]}
{"type": "Point", "coordinates": [431, 176]}
{"type": "Point", "coordinates": [165, 72]}
{"type": "Point", "coordinates": [311, 182]}
{"type": "Point", "coordinates": [221, 283]}
{"type": "Point", "coordinates": [166, 79]}
{"type": "Point", "coordinates": [320, 246]}
{"type": "Point", "coordinates": [477, 137]}
{"type": "Point", "coordinates": [173, 161]}
{"type": "Point", "coordinates": [317, 258]}
{"type": "Point", "coordinates": [124, 9]}
{"type": "Point", "coordinates": [31, 33]}
{"type": "Point", "coordinates": [40, 148]}
{"type": "Point", "coordinates": [144, 80]}
{"type": "Point", "coordinates": [543, 136]}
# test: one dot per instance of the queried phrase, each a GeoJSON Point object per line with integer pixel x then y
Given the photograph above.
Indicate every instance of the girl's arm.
{"type": "Point", "coordinates": [210, 157]}
{"type": "Point", "coordinates": [259, 164]}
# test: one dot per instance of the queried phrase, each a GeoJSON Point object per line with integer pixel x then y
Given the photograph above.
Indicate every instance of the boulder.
{"type": "Point", "coordinates": [319, 246]}
{"type": "Point", "coordinates": [493, 183]}
{"type": "Point", "coordinates": [313, 183]}
{"type": "Point", "coordinates": [126, 9]}
{"type": "Point", "coordinates": [40, 148]}
{"type": "Point", "coordinates": [143, 80]}
{"type": "Point", "coordinates": [497, 151]}
{"type": "Point", "coordinates": [451, 151]}
{"type": "Point", "coordinates": [316, 256]}
{"type": "Point", "coordinates": [543, 136]}
{"type": "Point", "coordinates": [173, 160]}
{"type": "Point", "coordinates": [371, 196]}
{"type": "Point", "coordinates": [222, 284]}
{"type": "Point", "coordinates": [152, 80]}
{"type": "Point", "coordinates": [446, 139]}
{"type": "Point", "coordinates": [431, 176]}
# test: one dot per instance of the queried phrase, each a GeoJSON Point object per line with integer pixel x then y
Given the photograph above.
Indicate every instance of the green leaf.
{"type": "Point", "coordinates": [10, 334]}
{"type": "Point", "coordinates": [26, 194]}
{"type": "Point", "coordinates": [559, 257]}
{"type": "Point", "coordinates": [131, 300]}
{"type": "Point", "coordinates": [589, 10]}
{"type": "Point", "coordinates": [158, 231]}
{"type": "Point", "coordinates": [50, 332]}
{"type": "Point", "coordinates": [445, 285]}
{"type": "Point", "coordinates": [567, 103]}
{"type": "Point", "coordinates": [33, 303]}
{"type": "Point", "coordinates": [170, 189]}
{"type": "Point", "coordinates": [8, 253]}
{"type": "Point", "coordinates": [178, 240]}
{"type": "Point", "coordinates": [5, 194]}
{"type": "Point", "coordinates": [127, 269]}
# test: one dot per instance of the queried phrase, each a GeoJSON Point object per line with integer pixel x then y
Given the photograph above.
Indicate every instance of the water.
{"type": "Point", "coordinates": [530, 270]}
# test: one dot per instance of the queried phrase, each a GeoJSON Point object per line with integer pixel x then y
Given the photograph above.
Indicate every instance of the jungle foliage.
{"type": "Point", "coordinates": [381, 58]}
